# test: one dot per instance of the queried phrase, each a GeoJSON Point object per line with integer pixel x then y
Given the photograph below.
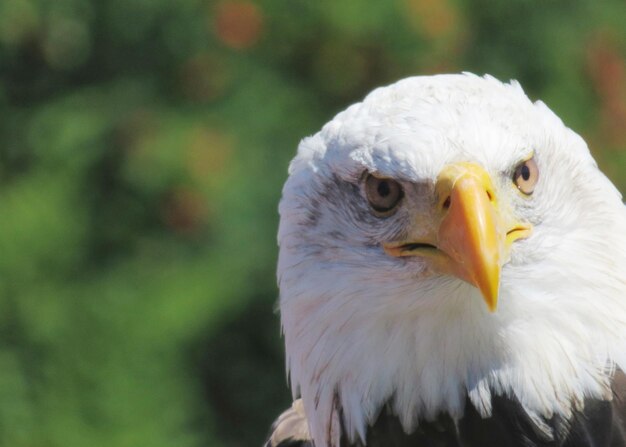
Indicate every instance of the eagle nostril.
{"type": "Point", "coordinates": [446, 203]}
{"type": "Point", "coordinates": [490, 195]}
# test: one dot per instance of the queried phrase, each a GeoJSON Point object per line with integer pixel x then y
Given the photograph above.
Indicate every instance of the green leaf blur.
{"type": "Point", "coordinates": [143, 145]}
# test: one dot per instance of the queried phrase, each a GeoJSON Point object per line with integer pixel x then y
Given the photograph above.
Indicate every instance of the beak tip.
{"type": "Point", "coordinates": [490, 291]}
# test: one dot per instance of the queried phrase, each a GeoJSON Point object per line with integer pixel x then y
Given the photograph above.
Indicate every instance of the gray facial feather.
{"type": "Point", "coordinates": [348, 208]}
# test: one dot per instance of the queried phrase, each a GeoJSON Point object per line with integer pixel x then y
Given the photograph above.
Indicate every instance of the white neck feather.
{"type": "Point", "coordinates": [347, 348]}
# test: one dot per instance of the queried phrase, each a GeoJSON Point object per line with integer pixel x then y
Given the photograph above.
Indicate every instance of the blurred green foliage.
{"type": "Point", "coordinates": [143, 144]}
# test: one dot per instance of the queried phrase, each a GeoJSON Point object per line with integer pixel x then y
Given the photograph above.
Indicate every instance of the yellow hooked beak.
{"type": "Point", "coordinates": [473, 239]}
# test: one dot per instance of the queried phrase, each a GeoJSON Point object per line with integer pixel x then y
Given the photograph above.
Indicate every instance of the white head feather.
{"type": "Point", "coordinates": [363, 329]}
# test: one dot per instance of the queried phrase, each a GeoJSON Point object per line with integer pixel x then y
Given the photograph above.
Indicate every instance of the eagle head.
{"type": "Point", "coordinates": [447, 239]}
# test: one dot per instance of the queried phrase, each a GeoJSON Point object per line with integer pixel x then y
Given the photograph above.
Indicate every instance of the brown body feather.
{"type": "Point", "coordinates": [600, 425]}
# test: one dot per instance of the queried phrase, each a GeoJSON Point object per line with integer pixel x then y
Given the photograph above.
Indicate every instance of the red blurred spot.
{"type": "Point", "coordinates": [433, 18]}
{"type": "Point", "coordinates": [607, 68]}
{"type": "Point", "coordinates": [204, 77]}
{"type": "Point", "coordinates": [184, 211]}
{"type": "Point", "coordinates": [238, 24]}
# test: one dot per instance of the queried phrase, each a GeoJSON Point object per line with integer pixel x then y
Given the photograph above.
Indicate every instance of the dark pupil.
{"type": "Point", "coordinates": [525, 172]}
{"type": "Point", "coordinates": [383, 189]}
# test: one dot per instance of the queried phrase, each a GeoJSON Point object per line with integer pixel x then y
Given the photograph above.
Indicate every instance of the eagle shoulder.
{"type": "Point", "coordinates": [291, 428]}
{"type": "Point", "coordinates": [599, 424]}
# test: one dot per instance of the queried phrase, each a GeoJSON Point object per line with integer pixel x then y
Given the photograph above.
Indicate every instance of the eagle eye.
{"type": "Point", "coordinates": [383, 194]}
{"type": "Point", "coordinates": [526, 175]}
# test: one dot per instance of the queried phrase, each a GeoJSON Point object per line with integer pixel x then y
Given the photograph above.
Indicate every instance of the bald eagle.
{"type": "Point", "coordinates": [452, 272]}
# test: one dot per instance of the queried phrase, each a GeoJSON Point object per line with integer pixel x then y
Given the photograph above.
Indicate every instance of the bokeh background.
{"type": "Point", "coordinates": [143, 145]}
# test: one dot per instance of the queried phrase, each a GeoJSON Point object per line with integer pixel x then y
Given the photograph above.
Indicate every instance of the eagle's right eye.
{"type": "Point", "coordinates": [383, 194]}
